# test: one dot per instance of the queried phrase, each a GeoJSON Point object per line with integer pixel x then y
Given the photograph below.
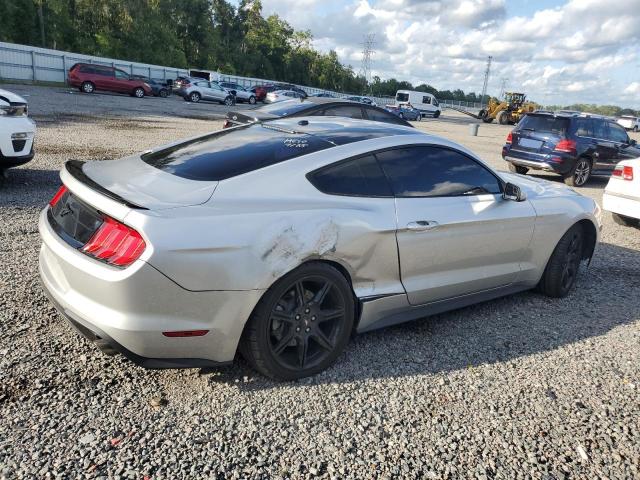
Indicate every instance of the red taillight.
{"type": "Point", "coordinates": [624, 172]}
{"type": "Point", "coordinates": [115, 243]}
{"type": "Point", "coordinates": [56, 198]}
{"type": "Point", "coordinates": [186, 333]}
{"type": "Point", "coordinates": [227, 124]}
{"type": "Point", "coordinates": [509, 137]}
{"type": "Point", "coordinates": [568, 146]}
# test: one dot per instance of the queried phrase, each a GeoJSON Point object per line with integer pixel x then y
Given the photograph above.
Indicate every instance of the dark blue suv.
{"type": "Point", "coordinates": [574, 146]}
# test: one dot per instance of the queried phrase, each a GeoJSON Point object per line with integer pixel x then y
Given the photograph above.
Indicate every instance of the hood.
{"type": "Point", "coordinates": [536, 187]}
{"type": "Point", "coordinates": [141, 184]}
{"type": "Point", "coordinates": [10, 97]}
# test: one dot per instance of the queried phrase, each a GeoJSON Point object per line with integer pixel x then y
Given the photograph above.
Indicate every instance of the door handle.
{"type": "Point", "coordinates": [422, 225]}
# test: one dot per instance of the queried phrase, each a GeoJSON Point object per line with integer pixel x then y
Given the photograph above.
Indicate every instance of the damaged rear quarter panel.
{"type": "Point", "coordinates": [256, 228]}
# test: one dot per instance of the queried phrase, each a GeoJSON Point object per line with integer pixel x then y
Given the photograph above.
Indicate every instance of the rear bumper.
{"type": "Point", "coordinates": [127, 310]}
{"type": "Point", "coordinates": [557, 163]}
{"type": "Point", "coordinates": [621, 204]}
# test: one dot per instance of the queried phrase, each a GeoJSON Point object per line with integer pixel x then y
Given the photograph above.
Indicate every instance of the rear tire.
{"type": "Point", "coordinates": [635, 129]}
{"type": "Point", "coordinates": [561, 271]}
{"type": "Point", "coordinates": [503, 118]}
{"type": "Point", "coordinates": [625, 221]}
{"type": "Point", "coordinates": [87, 87]}
{"type": "Point", "coordinates": [301, 324]}
{"type": "Point", "coordinates": [252, 100]}
{"type": "Point", "coordinates": [229, 101]}
{"type": "Point", "coordinates": [518, 169]}
{"type": "Point", "coordinates": [163, 93]}
{"type": "Point", "coordinates": [579, 174]}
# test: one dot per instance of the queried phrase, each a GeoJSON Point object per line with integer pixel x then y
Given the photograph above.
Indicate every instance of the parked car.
{"type": "Point", "coordinates": [17, 131]}
{"type": "Point", "coordinates": [622, 195]}
{"type": "Point", "coordinates": [262, 90]}
{"type": "Point", "coordinates": [183, 81]}
{"type": "Point", "coordinates": [359, 99]}
{"type": "Point", "coordinates": [159, 88]}
{"type": "Point", "coordinates": [405, 112]}
{"type": "Point", "coordinates": [425, 102]}
{"type": "Point", "coordinates": [241, 93]}
{"type": "Point", "coordinates": [187, 253]}
{"type": "Point", "coordinates": [204, 90]}
{"type": "Point", "coordinates": [89, 78]}
{"type": "Point", "coordinates": [629, 122]}
{"type": "Point", "coordinates": [574, 146]}
{"type": "Point", "coordinates": [316, 106]}
{"type": "Point", "coordinates": [281, 96]}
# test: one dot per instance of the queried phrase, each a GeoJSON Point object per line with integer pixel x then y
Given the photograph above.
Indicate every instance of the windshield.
{"type": "Point", "coordinates": [544, 123]}
{"type": "Point", "coordinates": [232, 152]}
{"type": "Point", "coordinates": [285, 108]}
{"type": "Point", "coordinates": [402, 97]}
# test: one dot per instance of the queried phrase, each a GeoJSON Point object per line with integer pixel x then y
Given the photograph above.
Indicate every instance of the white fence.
{"type": "Point", "coordinates": [22, 62]}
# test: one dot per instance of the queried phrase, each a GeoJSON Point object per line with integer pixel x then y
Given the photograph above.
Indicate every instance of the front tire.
{"type": "Point", "coordinates": [87, 87]}
{"type": "Point", "coordinates": [518, 169]}
{"type": "Point", "coordinates": [228, 101]}
{"type": "Point", "coordinates": [561, 271]}
{"type": "Point", "coordinates": [503, 118]}
{"type": "Point", "coordinates": [301, 324]}
{"type": "Point", "coordinates": [252, 100]}
{"type": "Point", "coordinates": [579, 174]}
{"type": "Point", "coordinates": [163, 93]}
{"type": "Point", "coordinates": [138, 92]}
{"type": "Point", "coordinates": [194, 97]}
{"type": "Point", "coordinates": [625, 221]}
{"type": "Point", "coordinates": [437, 114]}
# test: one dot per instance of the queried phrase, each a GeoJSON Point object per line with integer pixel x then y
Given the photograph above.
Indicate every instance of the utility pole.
{"type": "Point", "coordinates": [41, 21]}
{"type": "Point", "coordinates": [367, 53]}
{"type": "Point", "coordinates": [503, 86]}
{"type": "Point", "coordinates": [486, 80]}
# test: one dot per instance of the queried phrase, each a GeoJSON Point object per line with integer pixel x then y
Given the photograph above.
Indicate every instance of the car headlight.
{"type": "Point", "coordinates": [148, 86]}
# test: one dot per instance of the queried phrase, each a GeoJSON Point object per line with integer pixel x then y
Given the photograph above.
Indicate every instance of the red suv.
{"type": "Point", "coordinates": [89, 78]}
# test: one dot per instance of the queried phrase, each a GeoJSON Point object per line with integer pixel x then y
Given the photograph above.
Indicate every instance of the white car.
{"type": "Point", "coordinates": [622, 195]}
{"type": "Point", "coordinates": [17, 131]}
{"type": "Point", "coordinates": [629, 122]}
{"type": "Point", "coordinates": [281, 96]}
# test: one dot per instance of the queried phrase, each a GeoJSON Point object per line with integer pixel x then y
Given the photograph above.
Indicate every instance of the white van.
{"type": "Point", "coordinates": [425, 102]}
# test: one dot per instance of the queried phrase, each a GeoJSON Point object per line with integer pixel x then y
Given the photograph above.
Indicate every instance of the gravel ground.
{"type": "Point", "coordinates": [521, 387]}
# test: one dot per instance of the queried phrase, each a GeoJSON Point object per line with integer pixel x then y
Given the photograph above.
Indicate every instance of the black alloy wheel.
{"type": "Point", "coordinates": [301, 324]}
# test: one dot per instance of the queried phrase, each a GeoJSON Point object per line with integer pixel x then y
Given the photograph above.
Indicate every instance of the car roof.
{"type": "Point", "coordinates": [340, 130]}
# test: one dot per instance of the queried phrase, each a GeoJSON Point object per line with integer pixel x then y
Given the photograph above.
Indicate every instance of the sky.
{"type": "Point", "coordinates": [558, 52]}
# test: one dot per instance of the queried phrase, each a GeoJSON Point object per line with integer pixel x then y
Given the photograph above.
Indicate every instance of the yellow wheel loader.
{"type": "Point", "coordinates": [509, 111]}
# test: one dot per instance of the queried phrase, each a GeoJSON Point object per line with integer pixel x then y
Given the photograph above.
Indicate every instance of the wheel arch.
{"type": "Point", "coordinates": [591, 238]}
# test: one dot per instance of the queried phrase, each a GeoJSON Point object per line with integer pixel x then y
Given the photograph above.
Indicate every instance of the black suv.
{"type": "Point", "coordinates": [575, 146]}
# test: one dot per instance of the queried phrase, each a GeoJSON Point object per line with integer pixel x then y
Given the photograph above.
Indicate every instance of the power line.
{"type": "Point", "coordinates": [367, 53]}
{"type": "Point", "coordinates": [503, 86]}
{"type": "Point", "coordinates": [486, 79]}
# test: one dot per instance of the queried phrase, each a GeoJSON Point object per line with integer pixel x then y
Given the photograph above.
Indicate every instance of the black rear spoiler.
{"type": "Point", "coordinates": [74, 167]}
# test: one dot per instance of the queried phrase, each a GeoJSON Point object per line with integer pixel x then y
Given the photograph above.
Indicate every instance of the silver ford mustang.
{"type": "Point", "coordinates": [281, 239]}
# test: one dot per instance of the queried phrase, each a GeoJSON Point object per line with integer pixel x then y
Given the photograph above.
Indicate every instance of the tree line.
{"type": "Point", "coordinates": [204, 34]}
{"type": "Point", "coordinates": [608, 110]}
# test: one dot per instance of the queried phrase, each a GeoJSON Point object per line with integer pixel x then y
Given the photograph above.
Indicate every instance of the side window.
{"type": "Point", "coordinates": [202, 83]}
{"type": "Point", "coordinates": [435, 172]}
{"type": "Point", "coordinates": [359, 177]}
{"type": "Point", "coordinates": [426, 99]}
{"type": "Point", "coordinates": [582, 127]}
{"type": "Point", "coordinates": [87, 69]}
{"type": "Point", "coordinates": [344, 111]}
{"type": "Point", "coordinates": [120, 75]}
{"type": "Point", "coordinates": [104, 72]}
{"type": "Point", "coordinates": [617, 133]}
{"type": "Point", "coordinates": [599, 129]}
{"type": "Point", "coordinates": [381, 116]}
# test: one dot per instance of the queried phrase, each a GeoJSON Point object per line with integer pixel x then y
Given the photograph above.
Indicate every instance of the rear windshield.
{"type": "Point", "coordinates": [285, 108]}
{"type": "Point", "coordinates": [227, 153]}
{"type": "Point", "coordinates": [544, 123]}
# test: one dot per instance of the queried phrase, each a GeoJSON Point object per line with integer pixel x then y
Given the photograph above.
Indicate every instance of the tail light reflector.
{"type": "Point", "coordinates": [509, 137]}
{"type": "Point", "coordinates": [624, 172]}
{"type": "Point", "coordinates": [568, 146]}
{"type": "Point", "coordinates": [56, 198]}
{"type": "Point", "coordinates": [115, 244]}
{"type": "Point", "coordinates": [186, 333]}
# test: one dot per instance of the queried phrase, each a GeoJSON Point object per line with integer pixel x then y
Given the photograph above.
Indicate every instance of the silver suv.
{"type": "Point", "coordinates": [241, 93]}
{"type": "Point", "coordinates": [204, 90]}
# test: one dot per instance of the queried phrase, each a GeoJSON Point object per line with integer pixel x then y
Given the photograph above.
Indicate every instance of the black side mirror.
{"type": "Point", "coordinates": [633, 142]}
{"type": "Point", "coordinates": [513, 192]}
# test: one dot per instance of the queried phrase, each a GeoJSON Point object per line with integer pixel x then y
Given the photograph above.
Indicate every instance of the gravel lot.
{"type": "Point", "coordinates": [521, 387]}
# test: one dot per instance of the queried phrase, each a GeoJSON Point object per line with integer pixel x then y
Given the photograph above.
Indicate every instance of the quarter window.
{"type": "Point", "coordinates": [435, 172]}
{"type": "Point", "coordinates": [359, 177]}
